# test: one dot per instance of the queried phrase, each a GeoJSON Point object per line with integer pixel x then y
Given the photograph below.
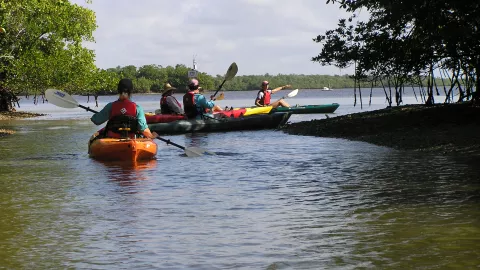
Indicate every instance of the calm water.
{"type": "Point", "coordinates": [268, 200]}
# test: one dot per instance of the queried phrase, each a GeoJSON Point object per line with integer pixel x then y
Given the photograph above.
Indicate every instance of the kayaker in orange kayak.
{"type": "Point", "coordinates": [124, 117]}
{"type": "Point", "coordinates": [264, 95]}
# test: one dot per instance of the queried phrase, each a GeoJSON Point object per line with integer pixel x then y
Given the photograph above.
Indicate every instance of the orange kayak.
{"type": "Point", "coordinates": [113, 149]}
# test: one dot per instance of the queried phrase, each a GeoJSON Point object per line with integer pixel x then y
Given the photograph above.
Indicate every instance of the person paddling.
{"type": "Point", "coordinates": [123, 115]}
{"type": "Point", "coordinates": [168, 103]}
{"type": "Point", "coordinates": [195, 104]}
{"type": "Point", "coordinates": [264, 95]}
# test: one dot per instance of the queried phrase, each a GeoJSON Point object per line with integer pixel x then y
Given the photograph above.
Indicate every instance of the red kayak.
{"type": "Point", "coordinates": [232, 113]}
{"type": "Point", "coordinates": [163, 118]}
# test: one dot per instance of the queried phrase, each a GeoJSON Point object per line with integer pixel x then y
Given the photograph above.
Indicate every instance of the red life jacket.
{"type": "Point", "coordinates": [164, 106]}
{"type": "Point", "coordinates": [122, 107]}
{"type": "Point", "coordinates": [266, 97]}
{"type": "Point", "coordinates": [189, 105]}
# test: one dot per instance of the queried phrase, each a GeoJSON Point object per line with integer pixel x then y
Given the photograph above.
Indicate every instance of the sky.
{"type": "Point", "coordinates": [261, 36]}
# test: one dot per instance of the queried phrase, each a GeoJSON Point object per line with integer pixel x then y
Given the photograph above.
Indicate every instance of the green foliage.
{"type": "Point", "coordinates": [43, 42]}
{"type": "Point", "coordinates": [41, 48]}
{"type": "Point", "coordinates": [150, 78]}
{"type": "Point", "coordinates": [407, 42]}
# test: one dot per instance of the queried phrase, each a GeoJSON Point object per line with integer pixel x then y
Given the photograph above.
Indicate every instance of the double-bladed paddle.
{"type": "Point", "coordinates": [231, 72]}
{"type": "Point", "coordinates": [64, 100]}
{"type": "Point", "coordinates": [291, 94]}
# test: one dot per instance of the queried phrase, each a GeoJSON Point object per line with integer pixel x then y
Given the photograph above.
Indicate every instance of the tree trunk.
{"type": "Point", "coordinates": [7, 100]}
{"type": "Point", "coordinates": [476, 94]}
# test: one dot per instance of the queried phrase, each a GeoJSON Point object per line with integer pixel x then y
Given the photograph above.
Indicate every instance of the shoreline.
{"type": "Point", "coordinates": [6, 116]}
{"type": "Point", "coordinates": [450, 128]}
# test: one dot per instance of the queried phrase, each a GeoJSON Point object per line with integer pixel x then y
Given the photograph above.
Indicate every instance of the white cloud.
{"type": "Point", "coordinates": [261, 36]}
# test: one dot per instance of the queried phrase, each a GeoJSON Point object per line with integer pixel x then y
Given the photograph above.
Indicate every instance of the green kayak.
{"type": "Point", "coordinates": [252, 122]}
{"type": "Point", "coordinates": [304, 109]}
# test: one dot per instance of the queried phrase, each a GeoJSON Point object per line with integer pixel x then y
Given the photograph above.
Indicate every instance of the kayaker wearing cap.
{"type": "Point", "coordinates": [168, 103]}
{"type": "Point", "coordinates": [195, 103]}
{"type": "Point", "coordinates": [124, 107]}
{"type": "Point", "coordinates": [263, 96]}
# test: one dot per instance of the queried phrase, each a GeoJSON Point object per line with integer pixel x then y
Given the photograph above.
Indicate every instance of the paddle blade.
{"type": "Point", "coordinates": [60, 99]}
{"type": "Point", "coordinates": [293, 93]}
{"type": "Point", "coordinates": [221, 96]}
{"type": "Point", "coordinates": [197, 151]}
{"type": "Point", "coordinates": [231, 72]}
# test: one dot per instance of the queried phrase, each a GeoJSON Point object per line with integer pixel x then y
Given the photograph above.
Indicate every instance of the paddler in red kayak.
{"type": "Point", "coordinates": [264, 95]}
{"type": "Point", "coordinates": [168, 103]}
{"type": "Point", "coordinates": [123, 113]}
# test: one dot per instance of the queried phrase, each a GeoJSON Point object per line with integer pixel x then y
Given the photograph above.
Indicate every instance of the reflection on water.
{"type": "Point", "coordinates": [127, 173]}
{"type": "Point", "coordinates": [268, 200]}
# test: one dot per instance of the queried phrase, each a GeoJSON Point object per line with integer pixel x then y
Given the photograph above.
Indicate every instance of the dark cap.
{"type": "Point", "coordinates": [125, 86]}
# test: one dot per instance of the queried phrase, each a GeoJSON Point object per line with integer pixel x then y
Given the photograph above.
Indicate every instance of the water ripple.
{"type": "Point", "coordinates": [267, 200]}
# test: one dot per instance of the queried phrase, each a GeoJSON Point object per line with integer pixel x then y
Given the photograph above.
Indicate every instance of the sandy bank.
{"type": "Point", "coordinates": [5, 116]}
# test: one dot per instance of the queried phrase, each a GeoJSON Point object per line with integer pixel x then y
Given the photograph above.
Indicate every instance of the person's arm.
{"type": "Point", "coordinates": [173, 104]}
{"type": "Point", "coordinates": [202, 101]}
{"type": "Point", "coordinates": [147, 133]}
{"type": "Point", "coordinates": [281, 88]}
{"type": "Point", "coordinates": [102, 116]}
{"type": "Point", "coordinates": [142, 124]}
{"type": "Point", "coordinates": [210, 104]}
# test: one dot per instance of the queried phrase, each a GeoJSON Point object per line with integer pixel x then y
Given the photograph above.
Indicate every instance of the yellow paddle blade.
{"type": "Point", "coordinates": [221, 96]}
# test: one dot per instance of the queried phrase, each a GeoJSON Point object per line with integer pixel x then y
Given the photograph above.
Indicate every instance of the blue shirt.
{"type": "Point", "coordinates": [104, 115]}
{"type": "Point", "coordinates": [202, 103]}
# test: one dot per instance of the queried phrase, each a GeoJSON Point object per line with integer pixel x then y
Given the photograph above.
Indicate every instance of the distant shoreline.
{"type": "Point", "coordinates": [450, 128]}
{"type": "Point", "coordinates": [180, 91]}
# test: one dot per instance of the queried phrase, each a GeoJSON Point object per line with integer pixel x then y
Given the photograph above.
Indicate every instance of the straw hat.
{"type": "Point", "coordinates": [167, 87]}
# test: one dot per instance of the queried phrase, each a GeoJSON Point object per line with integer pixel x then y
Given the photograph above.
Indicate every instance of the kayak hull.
{"type": "Point", "coordinates": [309, 109]}
{"type": "Point", "coordinates": [163, 118]}
{"type": "Point", "coordinates": [132, 150]}
{"type": "Point", "coordinates": [299, 109]}
{"type": "Point", "coordinates": [253, 122]}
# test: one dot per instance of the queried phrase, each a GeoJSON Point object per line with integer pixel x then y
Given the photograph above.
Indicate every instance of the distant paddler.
{"type": "Point", "coordinates": [264, 95]}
